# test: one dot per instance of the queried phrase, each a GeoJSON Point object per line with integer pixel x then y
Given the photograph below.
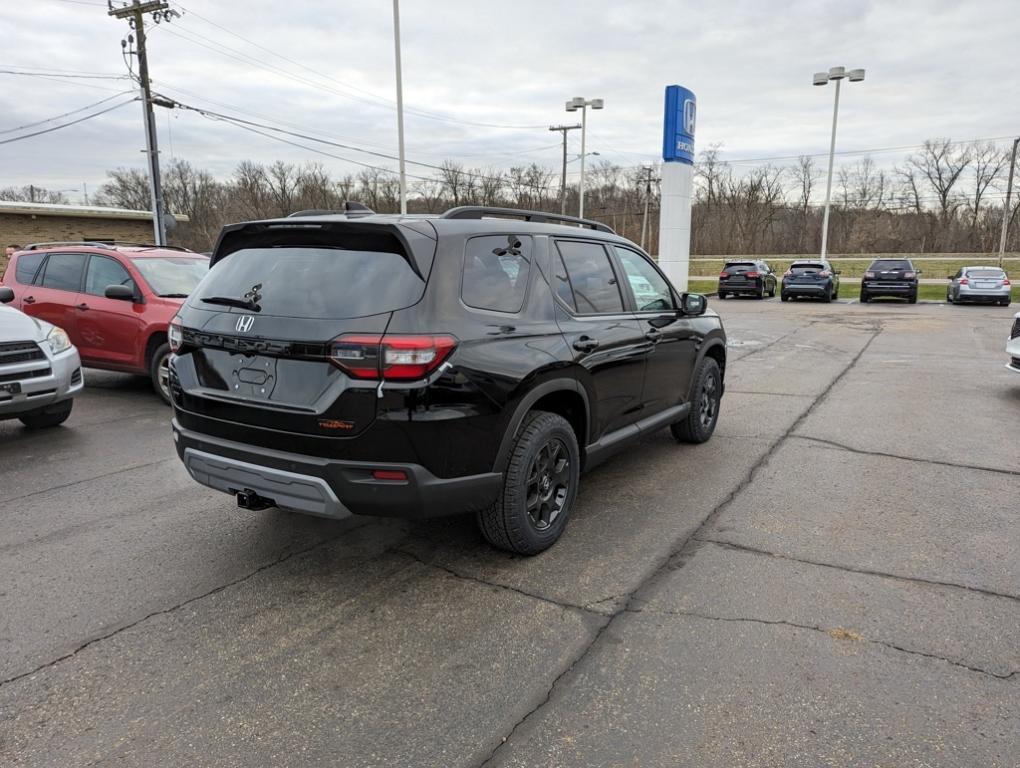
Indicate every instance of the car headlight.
{"type": "Point", "coordinates": [58, 340]}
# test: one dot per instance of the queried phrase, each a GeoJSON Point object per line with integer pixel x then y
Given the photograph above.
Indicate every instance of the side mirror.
{"type": "Point", "coordinates": [6, 294]}
{"type": "Point", "coordinates": [122, 292]}
{"type": "Point", "coordinates": [693, 304]}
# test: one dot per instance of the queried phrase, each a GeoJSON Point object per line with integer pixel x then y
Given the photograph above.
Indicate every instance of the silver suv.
{"type": "Point", "coordinates": [40, 371]}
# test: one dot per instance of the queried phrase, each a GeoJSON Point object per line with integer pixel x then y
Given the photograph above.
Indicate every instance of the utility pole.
{"type": "Point", "coordinates": [135, 14]}
{"type": "Point", "coordinates": [648, 195]}
{"type": "Point", "coordinates": [1005, 207]}
{"type": "Point", "coordinates": [563, 182]}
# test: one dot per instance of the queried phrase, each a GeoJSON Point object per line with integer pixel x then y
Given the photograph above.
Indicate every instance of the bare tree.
{"type": "Point", "coordinates": [32, 193]}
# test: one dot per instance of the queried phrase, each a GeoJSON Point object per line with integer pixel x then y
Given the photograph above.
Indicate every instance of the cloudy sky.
{"type": "Point", "coordinates": [483, 79]}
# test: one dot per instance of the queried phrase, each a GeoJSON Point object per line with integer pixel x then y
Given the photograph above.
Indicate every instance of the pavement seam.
{"type": "Point", "coordinates": [825, 631]}
{"type": "Point", "coordinates": [882, 454]}
{"type": "Point", "coordinates": [853, 569]}
{"type": "Point", "coordinates": [165, 611]}
{"type": "Point", "coordinates": [495, 585]}
{"type": "Point", "coordinates": [662, 564]}
{"type": "Point", "coordinates": [5, 502]}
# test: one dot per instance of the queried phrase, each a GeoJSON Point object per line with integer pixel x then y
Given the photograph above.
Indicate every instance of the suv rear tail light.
{"type": "Point", "coordinates": [753, 274]}
{"type": "Point", "coordinates": [175, 335]}
{"type": "Point", "coordinates": [910, 275]}
{"type": "Point", "coordinates": [724, 274]}
{"type": "Point", "coordinates": [1005, 281]}
{"type": "Point", "coordinates": [788, 273]}
{"type": "Point", "coordinates": [964, 281]}
{"type": "Point", "coordinates": [825, 273]}
{"type": "Point", "coordinates": [869, 274]}
{"type": "Point", "coordinates": [391, 357]}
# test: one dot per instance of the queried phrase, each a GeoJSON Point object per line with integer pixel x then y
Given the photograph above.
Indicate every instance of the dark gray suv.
{"type": "Point", "coordinates": [401, 366]}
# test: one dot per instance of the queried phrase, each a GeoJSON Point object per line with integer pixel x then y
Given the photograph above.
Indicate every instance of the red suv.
{"type": "Point", "coordinates": [114, 301]}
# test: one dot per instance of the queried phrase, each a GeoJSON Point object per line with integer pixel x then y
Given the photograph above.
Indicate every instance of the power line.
{"type": "Point", "coordinates": [376, 100]}
{"type": "Point", "coordinates": [66, 114]}
{"type": "Point", "coordinates": [72, 122]}
{"type": "Point", "coordinates": [65, 76]}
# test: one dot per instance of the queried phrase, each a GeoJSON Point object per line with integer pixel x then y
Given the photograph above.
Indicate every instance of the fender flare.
{"type": "Point", "coordinates": [711, 342]}
{"type": "Point", "coordinates": [525, 405]}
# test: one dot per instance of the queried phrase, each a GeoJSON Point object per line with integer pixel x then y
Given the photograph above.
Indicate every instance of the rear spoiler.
{"type": "Point", "coordinates": [349, 235]}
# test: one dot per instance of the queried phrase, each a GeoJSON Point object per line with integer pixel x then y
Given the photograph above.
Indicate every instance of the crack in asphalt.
{"type": "Point", "coordinates": [826, 631]}
{"type": "Point", "coordinates": [164, 611]}
{"type": "Point", "coordinates": [853, 569]}
{"type": "Point", "coordinates": [766, 394]}
{"type": "Point", "coordinates": [662, 564]}
{"type": "Point", "coordinates": [5, 502]}
{"type": "Point", "coordinates": [883, 454]}
{"type": "Point", "coordinates": [494, 584]}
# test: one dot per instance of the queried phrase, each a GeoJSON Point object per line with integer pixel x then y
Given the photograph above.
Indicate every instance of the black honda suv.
{"type": "Point", "coordinates": [339, 363]}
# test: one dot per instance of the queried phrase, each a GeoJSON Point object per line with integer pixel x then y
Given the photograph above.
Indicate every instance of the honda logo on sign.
{"type": "Point", "coordinates": [690, 113]}
{"type": "Point", "coordinates": [244, 323]}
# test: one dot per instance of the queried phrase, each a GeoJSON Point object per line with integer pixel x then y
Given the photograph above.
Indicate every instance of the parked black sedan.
{"type": "Point", "coordinates": [749, 278]}
{"type": "Point", "coordinates": [815, 279]}
{"type": "Point", "coordinates": [890, 277]}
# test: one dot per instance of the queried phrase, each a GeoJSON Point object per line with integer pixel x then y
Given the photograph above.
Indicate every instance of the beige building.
{"type": "Point", "coordinates": [24, 223]}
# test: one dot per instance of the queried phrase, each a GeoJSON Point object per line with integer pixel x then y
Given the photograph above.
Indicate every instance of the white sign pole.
{"type": "Point", "coordinates": [675, 223]}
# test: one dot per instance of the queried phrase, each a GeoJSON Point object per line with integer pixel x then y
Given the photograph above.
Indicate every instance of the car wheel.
{"type": "Point", "coordinates": [783, 296]}
{"type": "Point", "coordinates": [827, 297]}
{"type": "Point", "coordinates": [761, 293]}
{"type": "Point", "coordinates": [865, 298]}
{"type": "Point", "coordinates": [772, 291]}
{"type": "Point", "coordinates": [50, 416]}
{"type": "Point", "coordinates": [699, 424]}
{"type": "Point", "coordinates": [1006, 302]}
{"type": "Point", "coordinates": [949, 297]}
{"type": "Point", "coordinates": [539, 487]}
{"type": "Point", "coordinates": [722, 295]}
{"type": "Point", "coordinates": [912, 299]}
{"type": "Point", "coordinates": [159, 371]}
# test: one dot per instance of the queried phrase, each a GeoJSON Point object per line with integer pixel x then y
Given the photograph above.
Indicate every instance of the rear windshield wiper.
{"type": "Point", "coordinates": [230, 301]}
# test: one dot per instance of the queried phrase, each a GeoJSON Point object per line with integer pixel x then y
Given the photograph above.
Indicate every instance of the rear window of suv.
{"type": "Point", "coordinates": [314, 282]}
{"type": "Point", "coordinates": [806, 267]}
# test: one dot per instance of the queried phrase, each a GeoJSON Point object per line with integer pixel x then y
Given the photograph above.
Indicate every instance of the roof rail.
{"type": "Point", "coordinates": [541, 217]}
{"type": "Point", "coordinates": [102, 244]}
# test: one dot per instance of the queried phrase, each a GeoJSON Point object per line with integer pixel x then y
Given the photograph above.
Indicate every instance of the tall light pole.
{"type": "Point", "coordinates": [563, 182]}
{"type": "Point", "coordinates": [823, 78]}
{"type": "Point", "coordinates": [580, 103]}
{"type": "Point", "coordinates": [400, 107]}
{"type": "Point", "coordinates": [1005, 206]}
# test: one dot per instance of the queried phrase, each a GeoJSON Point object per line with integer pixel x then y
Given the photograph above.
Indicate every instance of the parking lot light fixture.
{"type": "Point", "coordinates": [580, 103]}
{"type": "Point", "coordinates": [823, 78]}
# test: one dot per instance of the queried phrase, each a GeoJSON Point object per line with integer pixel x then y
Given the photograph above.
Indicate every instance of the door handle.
{"type": "Point", "coordinates": [29, 299]}
{"type": "Point", "coordinates": [653, 334]}
{"type": "Point", "coordinates": [83, 306]}
{"type": "Point", "coordinates": [586, 344]}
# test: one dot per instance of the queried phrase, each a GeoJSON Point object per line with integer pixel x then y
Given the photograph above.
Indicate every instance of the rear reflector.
{"type": "Point", "coordinates": [389, 474]}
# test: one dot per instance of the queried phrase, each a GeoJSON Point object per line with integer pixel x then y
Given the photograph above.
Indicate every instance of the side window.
{"type": "Point", "coordinates": [28, 267]}
{"type": "Point", "coordinates": [63, 271]}
{"type": "Point", "coordinates": [496, 270]}
{"type": "Point", "coordinates": [650, 289]}
{"type": "Point", "coordinates": [592, 281]}
{"type": "Point", "coordinates": [562, 287]}
{"type": "Point", "coordinates": [103, 271]}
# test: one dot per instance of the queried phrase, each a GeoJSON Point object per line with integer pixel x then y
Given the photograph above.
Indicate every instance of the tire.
{"type": "Point", "coordinates": [47, 417]}
{"type": "Point", "coordinates": [722, 295]}
{"type": "Point", "coordinates": [706, 397]}
{"type": "Point", "coordinates": [159, 373]}
{"type": "Point", "coordinates": [772, 291]}
{"type": "Point", "coordinates": [543, 441]}
{"type": "Point", "coordinates": [835, 293]}
{"type": "Point", "coordinates": [912, 299]}
{"type": "Point", "coordinates": [865, 298]}
{"type": "Point", "coordinates": [783, 296]}
{"type": "Point", "coordinates": [827, 298]}
{"type": "Point", "coordinates": [1006, 302]}
{"type": "Point", "coordinates": [761, 293]}
{"type": "Point", "coordinates": [949, 297]}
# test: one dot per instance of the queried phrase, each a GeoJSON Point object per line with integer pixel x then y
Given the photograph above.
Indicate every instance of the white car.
{"type": "Point", "coordinates": [40, 371]}
{"type": "Point", "coordinates": [1013, 345]}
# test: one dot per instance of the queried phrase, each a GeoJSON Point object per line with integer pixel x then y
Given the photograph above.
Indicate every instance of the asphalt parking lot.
{"type": "Point", "coordinates": [834, 579]}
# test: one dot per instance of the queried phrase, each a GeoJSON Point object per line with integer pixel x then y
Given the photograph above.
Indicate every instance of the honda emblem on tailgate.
{"type": "Point", "coordinates": [244, 323]}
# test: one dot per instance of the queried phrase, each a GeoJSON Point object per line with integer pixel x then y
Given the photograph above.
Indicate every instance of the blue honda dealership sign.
{"type": "Point", "coordinates": [678, 126]}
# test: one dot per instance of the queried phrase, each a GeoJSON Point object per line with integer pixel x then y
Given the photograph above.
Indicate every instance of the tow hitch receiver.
{"type": "Point", "coordinates": [248, 499]}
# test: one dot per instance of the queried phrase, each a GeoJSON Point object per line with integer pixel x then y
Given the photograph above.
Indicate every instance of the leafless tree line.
{"type": "Point", "coordinates": [945, 197]}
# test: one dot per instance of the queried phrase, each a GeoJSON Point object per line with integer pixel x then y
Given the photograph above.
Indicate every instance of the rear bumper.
{"type": "Point", "coordinates": [1014, 364]}
{"type": "Point", "coordinates": [965, 293]}
{"type": "Point", "coordinates": [747, 286]}
{"type": "Point", "coordinates": [327, 487]}
{"type": "Point", "coordinates": [808, 289]}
